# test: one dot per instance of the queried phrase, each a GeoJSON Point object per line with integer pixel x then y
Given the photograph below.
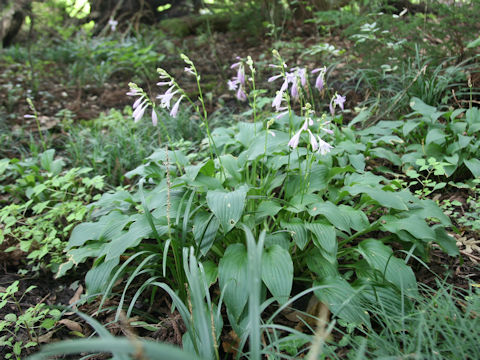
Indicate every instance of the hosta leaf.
{"type": "Point", "coordinates": [386, 154]}
{"type": "Point", "coordinates": [277, 272]}
{"type": "Point", "coordinates": [325, 237]}
{"type": "Point", "coordinates": [380, 257]}
{"type": "Point", "coordinates": [107, 228]}
{"type": "Point", "coordinates": [342, 299]}
{"type": "Point", "coordinates": [446, 242]}
{"type": "Point", "coordinates": [227, 206]}
{"type": "Point", "coordinates": [413, 224]}
{"type": "Point", "coordinates": [436, 136]}
{"type": "Point", "coordinates": [358, 219]}
{"type": "Point", "coordinates": [138, 231]}
{"type": "Point", "coordinates": [384, 198]}
{"type": "Point", "coordinates": [230, 164]}
{"type": "Point", "coordinates": [357, 161]}
{"type": "Point", "coordinates": [474, 166]}
{"type": "Point", "coordinates": [233, 279]}
{"type": "Point", "coordinates": [298, 231]}
{"type": "Point", "coordinates": [428, 111]}
{"type": "Point", "coordinates": [267, 208]}
{"type": "Point", "coordinates": [98, 277]}
{"type": "Point", "coordinates": [320, 265]}
{"type": "Point", "coordinates": [205, 227]}
{"type": "Point", "coordinates": [332, 213]}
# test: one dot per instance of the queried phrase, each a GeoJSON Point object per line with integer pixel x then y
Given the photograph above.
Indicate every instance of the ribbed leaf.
{"type": "Point", "coordinates": [342, 299]}
{"type": "Point", "coordinates": [336, 217]}
{"type": "Point", "coordinates": [325, 237]}
{"type": "Point", "coordinates": [380, 257]}
{"type": "Point", "coordinates": [298, 231]}
{"type": "Point", "coordinates": [277, 272]}
{"type": "Point", "coordinates": [227, 206]}
{"type": "Point", "coordinates": [233, 279]}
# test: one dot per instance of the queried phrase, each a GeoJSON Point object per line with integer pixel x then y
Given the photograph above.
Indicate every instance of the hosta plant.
{"type": "Point", "coordinates": [327, 220]}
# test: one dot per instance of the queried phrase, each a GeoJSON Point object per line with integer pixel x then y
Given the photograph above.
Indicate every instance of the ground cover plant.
{"type": "Point", "coordinates": [295, 197]}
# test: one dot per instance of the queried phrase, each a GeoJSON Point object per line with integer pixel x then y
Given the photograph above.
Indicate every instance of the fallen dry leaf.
{"type": "Point", "coordinates": [71, 325]}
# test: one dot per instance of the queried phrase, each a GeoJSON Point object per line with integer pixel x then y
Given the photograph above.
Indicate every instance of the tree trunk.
{"type": "Point", "coordinates": [12, 15]}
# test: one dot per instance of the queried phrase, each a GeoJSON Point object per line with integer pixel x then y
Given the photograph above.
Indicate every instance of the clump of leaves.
{"type": "Point", "coordinates": [44, 204]}
{"type": "Point", "coordinates": [20, 330]}
{"type": "Point", "coordinates": [317, 203]}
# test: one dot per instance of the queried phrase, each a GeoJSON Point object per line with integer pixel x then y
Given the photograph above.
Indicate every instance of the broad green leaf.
{"type": "Point", "coordinates": [267, 144]}
{"type": "Point", "coordinates": [267, 208]}
{"type": "Point", "coordinates": [436, 136]}
{"type": "Point", "coordinates": [413, 224]}
{"type": "Point", "coordinates": [227, 206]}
{"type": "Point", "coordinates": [386, 154]}
{"type": "Point", "coordinates": [446, 242]}
{"type": "Point", "coordinates": [207, 167]}
{"type": "Point", "coordinates": [106, 228]}
{"type": "Point", "coordinates": [426, 110]}
{"type": "Point", "coordinates": [380, 257]}
{"type": "Point", "coordinates": [297, 229]}
{"type": "Point", "coordinates": [233, 279]}
{"type": "Point", "coordinates": [357, 161]}
{"type": "Point", "coordinates": [320, 265]}
{"type": "Point", "coordinates": [474, 166]}
{"type": "Point", "coordinates": [230, 165]}
{"type": "Point", "coordinates": [138, 231]}
{"type": "Point", "coordinates": [358, 219]}
{"type": "Point", "coordinates": [318, 178]}
{"type": "Point", "coordinates": [429, 210]}
{"type": "Point", "coordinates": [384, 198]}
{"type": "Point", "coordinates": [277, 272]}
{"type": "Point", "coordinates": [409, 126]}
{"type": "Point", "coordinates": [98, 277]}
{"type": "Point", "coordinates": [343, 300]}
{"type": "Point", "coordinates": [325, 237]}
{"type": "Point", "coordinates": [332, 213]}
{"type": "Point", "coordinates": [205, 227]}
{"type": "Point", "coordinates": [463, 141]}
{"type": "Point", "coordinates": [211, 272]}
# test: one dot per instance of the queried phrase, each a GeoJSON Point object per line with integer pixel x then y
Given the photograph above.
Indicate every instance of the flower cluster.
{"type": "Point", "coordinates": [296, 79]}
{"type": "Point", "coordinates": [317, 143]}
{"type": "Point", "coordinates": [141, 104]}
{"type": "Point", "coordinates": [238, 82]}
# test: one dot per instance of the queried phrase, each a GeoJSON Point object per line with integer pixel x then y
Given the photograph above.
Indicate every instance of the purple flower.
{"type": "Point", "coordinates": [163, 83]}
{"type": "Point", "coordinates": [241, 74]}
{"type": "Point", "coordinates": [323, 147]}
{"type": "Point", "coordinates": [275, 77]}
{"type": "Point", "coordinates": [282, 114]}
{"type": "Point", "coordinates": [174, 111]}
{"type": "Point", "coordinates": [332, 109]}
{"type": "Point", "coordinates": [139, 111]}
{"type": "Point", "coordinates": [294, 90]}
{"type": "Point", "coordinates": [113, 24]}
{"type": "Point", "coordinates": [278, 99]}
{"type": "Point", "coordinates": [189, 70]}
{"type": "Point", "coordinates": [302, 73]}
{"type": "Point", "coordinates": [154, 117]}
{"type": "Point", "coordinates": [313, 141]}
{"type": "Point", "coordinates": [319, 81]}
{"type": "Point", "coordinates": [293, 143]}
{"type": "Point", "coordinates": [137, 102]}
{"type": "Point", "coordinates": [339, 100]}
{"type": "Point", "coordinates": [241, 94]}
{"type": "Point", "coordinates": [232, 85]}
{"type": "Point", "coordinates": [167, 97]}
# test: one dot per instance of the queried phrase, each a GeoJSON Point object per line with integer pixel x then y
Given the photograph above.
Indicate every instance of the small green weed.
{"type": "Point", "coordinates": [44, 205]}
{"type": "Point", "coordinates": [20, 330]}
